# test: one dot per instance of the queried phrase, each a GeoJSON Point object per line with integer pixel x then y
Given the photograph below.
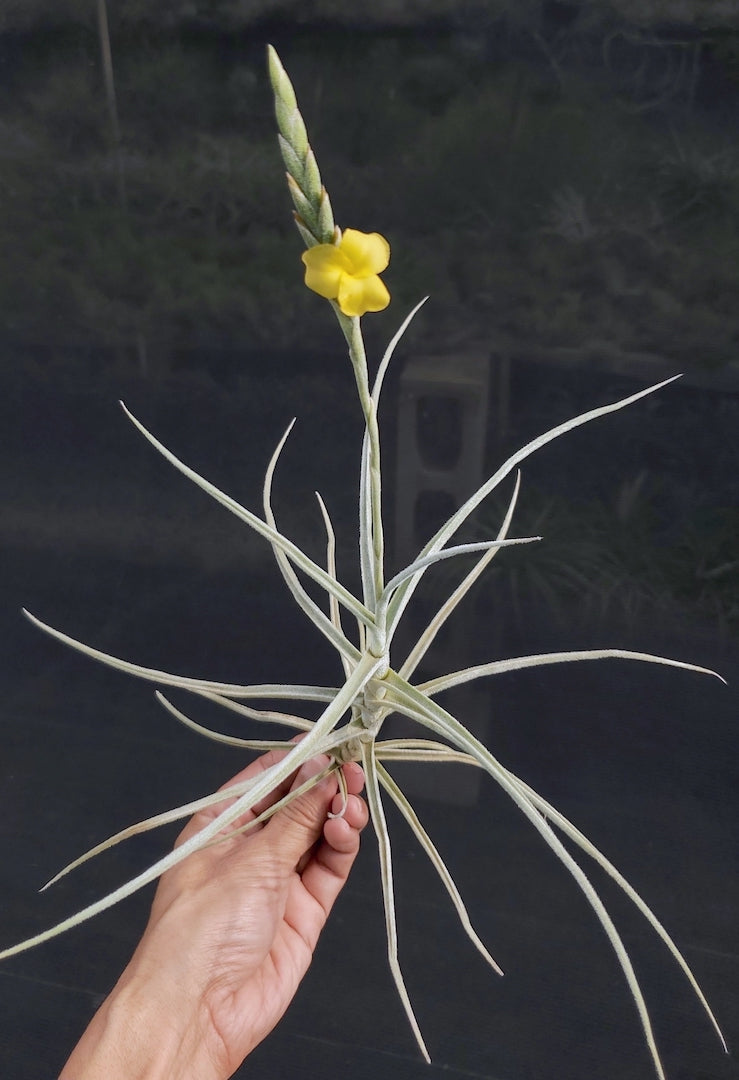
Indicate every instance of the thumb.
{"type": "Point", "coordinates": [295, 828]}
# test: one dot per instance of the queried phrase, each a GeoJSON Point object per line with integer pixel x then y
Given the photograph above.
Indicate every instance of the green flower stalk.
{"type": "Point", "coordinates": [344, 269]}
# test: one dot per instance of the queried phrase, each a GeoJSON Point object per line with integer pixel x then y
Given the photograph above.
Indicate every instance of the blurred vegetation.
{"type": "Point", "coordinates": [616, 559]}
{"type": "Point", "coordinates": [644, 529]}
{"type": "Point", "coordinates": [237, 14]}
{"type": "Point", "coordinates": [561, 176]}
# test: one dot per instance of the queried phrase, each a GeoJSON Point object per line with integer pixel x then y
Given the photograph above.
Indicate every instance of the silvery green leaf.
{"type": "Point", "coordinates": [275, 538]}
{"type": "Point", "coordinates": [326, 625]}
{"type": "Point", "coordinates": [218, 736]}
{"type": "Point", "coordinates": [268, 716]}
{"type": "Point", "coordinates": [431, 715]}
{"type": "Point", "coordinates": [590, 849]}
{"type": "Point", "coordinates": [437, 862]}
{"type": "Point", "coordinates": [377, 814]}
{"type": "Point", "coordinates": [497, 667]}
{"type": "Point", "coordinates": [447, 530]}
{"type": "Point", "coordinates": [334, 609]}
{"type": "Point", "coordinates": [425, 640]}
{"type": "Point", "coordinates": [164, 678]}
{"type": "Point", "coordinates": [420, 565]}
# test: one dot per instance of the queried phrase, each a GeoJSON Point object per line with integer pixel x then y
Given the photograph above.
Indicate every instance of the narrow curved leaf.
{"type": "Point", "coordinates": [261, 745]}
{"type": "Point", "coordinates": [377, 813]}
{"type": "Point", "coordinates": [431, 715]}
{"type": "Point", "coordinates": [263, 690]}
{"type": "Point", "coordinates": [497, 667]}
{"type": "Point", "coordinates": [275, 538]}
{"type": "Point", "coordinates": [437, 862]}
{"type": "Point", "coordinates": [447, 530]}
{"type": "Point", "coordinates": [306, 603]}
{"type": "Point", "coordinates": [590, 849]}
{"type": "Point", "coordinates": [419, 566]}
{"type": "Point", "coordinates": [424, 642]}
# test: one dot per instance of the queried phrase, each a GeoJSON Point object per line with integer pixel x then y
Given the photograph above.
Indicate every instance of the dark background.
{"type": "Point", "coordinates": [563, 179]}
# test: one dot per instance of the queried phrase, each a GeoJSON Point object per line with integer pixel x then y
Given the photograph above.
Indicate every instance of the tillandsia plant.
{"type": "Point", "coordinates": [344, 268]}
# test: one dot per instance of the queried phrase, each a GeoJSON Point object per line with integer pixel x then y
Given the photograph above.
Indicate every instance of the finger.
{"type": "Point", "coordinates": [325, 875]}
{"type": "Point", "coordinates": [253, 770]}
{"type": "Point", "coordinates": [341, 834]}
{"type": "Point", "coordinates": [354, 777]}
{"type": "Point", "coordinates": [291, 782]}
{"type": "Point", "coordinates": [297, 826]}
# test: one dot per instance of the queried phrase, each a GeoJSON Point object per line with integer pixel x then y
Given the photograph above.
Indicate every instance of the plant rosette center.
{"type": "Point", "coordinates": [371, 707]}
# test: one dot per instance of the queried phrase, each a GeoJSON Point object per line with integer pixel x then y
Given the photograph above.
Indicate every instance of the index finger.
{"type": "Point", "coordinates": [253, 770]}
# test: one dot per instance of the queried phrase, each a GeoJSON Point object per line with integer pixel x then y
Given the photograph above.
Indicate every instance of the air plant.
{"type": "Point", "coordinates": [344, 268]}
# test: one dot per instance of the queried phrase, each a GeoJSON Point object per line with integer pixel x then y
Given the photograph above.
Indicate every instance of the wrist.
{"type": "Point", "coordinates": [137, 1036]}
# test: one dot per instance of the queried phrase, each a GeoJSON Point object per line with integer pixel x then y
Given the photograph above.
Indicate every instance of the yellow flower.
{"type": "Point", "coordinates": [347, 271]}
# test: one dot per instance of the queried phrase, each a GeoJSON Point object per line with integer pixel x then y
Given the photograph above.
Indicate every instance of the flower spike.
{"type": "Point", "coordinates": [313, 214]}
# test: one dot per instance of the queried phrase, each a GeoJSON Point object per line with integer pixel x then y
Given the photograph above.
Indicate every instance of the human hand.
{"type": "Point", "coordinates": [231, 933]}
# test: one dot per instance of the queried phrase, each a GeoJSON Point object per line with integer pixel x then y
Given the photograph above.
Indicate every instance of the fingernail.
{"type": "Point", "coordinates": [338, 806]}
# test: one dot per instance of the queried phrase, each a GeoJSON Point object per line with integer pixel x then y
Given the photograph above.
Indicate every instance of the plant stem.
{"type": "Point", "coordinates": [352, 332]}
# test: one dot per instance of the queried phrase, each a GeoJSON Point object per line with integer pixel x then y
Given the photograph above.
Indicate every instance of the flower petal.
{"type": "Point", "coordinates": [357, 295]}
{"type": "Point", "coordinates": [368, 253]}
{"type": "Point", "coordinates": [324, 266]}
